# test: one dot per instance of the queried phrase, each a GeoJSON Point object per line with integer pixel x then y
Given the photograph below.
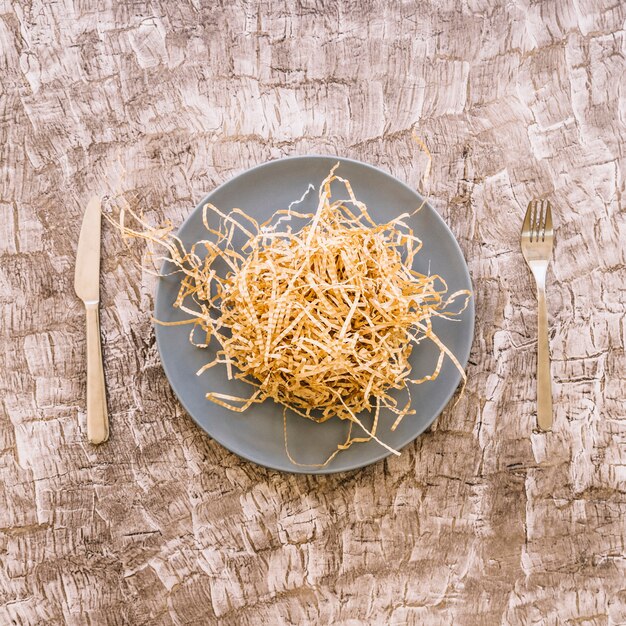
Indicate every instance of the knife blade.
{"type": "Point", "coordinates": [87, 287]}
{"type": "Point", "coordinates": [87, 274]}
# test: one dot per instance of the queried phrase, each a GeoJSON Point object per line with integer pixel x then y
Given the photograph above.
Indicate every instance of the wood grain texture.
{"type": "Point", "coordinates": [481, 520]}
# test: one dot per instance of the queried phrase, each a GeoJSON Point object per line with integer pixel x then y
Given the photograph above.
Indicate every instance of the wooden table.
{"type": "Point", "coordinates": [481, 520]}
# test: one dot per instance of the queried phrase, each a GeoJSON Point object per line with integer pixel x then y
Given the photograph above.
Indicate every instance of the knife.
{"type": "Point", "coordinates": [87, 286]}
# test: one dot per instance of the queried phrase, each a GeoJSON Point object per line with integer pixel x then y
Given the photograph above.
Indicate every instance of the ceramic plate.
{"type": "Point", "coordinates": [257, 434]}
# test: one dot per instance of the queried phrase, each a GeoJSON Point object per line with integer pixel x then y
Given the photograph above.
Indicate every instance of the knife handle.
{"type": "Point", "coordinates": [97, 417]}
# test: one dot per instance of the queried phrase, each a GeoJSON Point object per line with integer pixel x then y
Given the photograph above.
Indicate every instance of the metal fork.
{"type": "Point", "coordinates": [537, 239]}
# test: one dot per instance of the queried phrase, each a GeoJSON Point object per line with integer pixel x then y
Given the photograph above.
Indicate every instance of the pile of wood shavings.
{"type": "Point", "coordinates": [322, 320]}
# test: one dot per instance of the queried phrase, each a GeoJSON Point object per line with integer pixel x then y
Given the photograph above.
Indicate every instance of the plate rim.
{"type": "Point", "coordinates": [383, 454]}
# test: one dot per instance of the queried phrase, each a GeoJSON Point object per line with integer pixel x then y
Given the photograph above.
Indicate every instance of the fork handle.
{"type": "Point", "coordinates": [544, 377]}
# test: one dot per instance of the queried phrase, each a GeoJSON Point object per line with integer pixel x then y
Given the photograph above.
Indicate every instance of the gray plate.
{"type": "Point", "coordinates": [257, 434]}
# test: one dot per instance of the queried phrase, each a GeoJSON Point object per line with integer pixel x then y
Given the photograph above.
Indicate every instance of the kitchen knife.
{"type": "Point", "coordinates": [87, 286]}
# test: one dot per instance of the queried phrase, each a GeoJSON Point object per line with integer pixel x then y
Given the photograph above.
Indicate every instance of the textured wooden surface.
{"type": "Point", "coordinates": [480, 521]}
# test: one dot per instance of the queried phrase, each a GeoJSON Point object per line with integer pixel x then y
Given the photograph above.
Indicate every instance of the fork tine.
{"type": "Point", "coordinates": [527, 218]}
{"type": "Point", "coordinates": [540, 222]}
{"type": "Point", "coordinates": [548, 228]}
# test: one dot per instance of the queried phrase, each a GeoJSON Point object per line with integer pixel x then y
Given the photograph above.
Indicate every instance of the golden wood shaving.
{"type": "Point", "coordinates": [322, 320]}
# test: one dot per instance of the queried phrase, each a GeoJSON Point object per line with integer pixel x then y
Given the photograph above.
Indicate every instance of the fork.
{"type": "Point", "coordinates": [537, 239]}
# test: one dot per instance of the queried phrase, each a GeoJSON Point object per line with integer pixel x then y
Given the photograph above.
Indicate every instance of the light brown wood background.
{"type": "Point", "coordinates": [481, 520]}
